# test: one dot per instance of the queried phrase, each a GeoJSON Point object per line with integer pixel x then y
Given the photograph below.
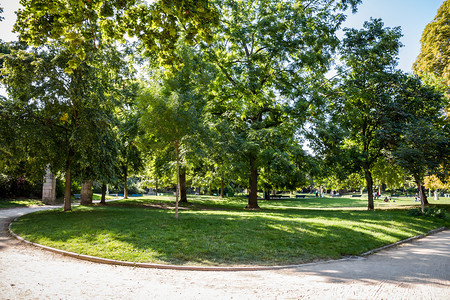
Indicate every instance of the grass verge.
{"type": "Point", "coordinates": [10, 203]}
{"type": "Point", "coordinates": [211, 231]}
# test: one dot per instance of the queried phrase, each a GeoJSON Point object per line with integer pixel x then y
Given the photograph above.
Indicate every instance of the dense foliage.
{"type": "Point", "coordinates": [219, 95]}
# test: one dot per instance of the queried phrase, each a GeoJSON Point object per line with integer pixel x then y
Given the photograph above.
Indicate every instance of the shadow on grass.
{"type": "Point", "coordinates": [219, 237]}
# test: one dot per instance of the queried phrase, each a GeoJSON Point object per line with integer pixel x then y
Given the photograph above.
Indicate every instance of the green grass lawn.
{"type": "Point", "coordinates": [10, 203]}
{"type": "Point", "coordinates": [211, 231]}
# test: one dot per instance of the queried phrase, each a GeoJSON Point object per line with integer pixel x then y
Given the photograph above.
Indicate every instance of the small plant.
{"type": "Point", "coordinates": [432, 212]}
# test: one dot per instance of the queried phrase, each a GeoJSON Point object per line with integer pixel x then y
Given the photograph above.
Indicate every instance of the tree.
{"type": "Point", "coordinates": [386, 172]}
{"type": "Point", "coordinates": [130, 156]}
{"type": "Point", "coordinates": [158, 25]}
{"type": "Point", "coordinates": [363, 103]}
{"type": "Point", "coordinates": [171, 108]}
{"type": "Point", "coordinates": [64, 117]}
{"type": "Point", "coordinates": [73, 30]}
{"type": "Point", "coordinates": [434, 57]}
{"type": "Point", "coordinates": [268, 55]}
{"type": "Point", "coordinates": [423, 144]}
{"type": "Point", "coordinates": [433, 182]}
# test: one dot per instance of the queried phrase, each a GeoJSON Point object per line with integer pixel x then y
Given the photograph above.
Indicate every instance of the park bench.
{"type": "Point", "coordinates": [395, 196]}
{"type": "Point", "coordinates": [77, 196]}
{"type": "Point", "coordinates": [356, 195]}
{"type": "Point", "coordinates": [278, 196]}
{"type": "Point", "coordinates": [300, 196]}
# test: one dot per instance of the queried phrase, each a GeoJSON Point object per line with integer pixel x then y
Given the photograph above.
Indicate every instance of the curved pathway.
{"type": "Point", "coordinates": [416, 270]}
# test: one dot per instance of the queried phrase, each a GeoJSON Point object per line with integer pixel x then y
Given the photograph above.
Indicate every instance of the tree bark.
{"type": "Point", "coordinates": [103, 199]}
{"type": "Point", "coordinates": [86, 193]}
{"type": "Point", "coordinates": [267, 195]}
{"type": "Point", "coordinates": [253, 185]}
{"type": "Point", "coordinates": [421, 195]}
{"type": "Point", "coordinates": [183, 194]}
{"type": "Point", "coordinates": [68, 186]}
{"type": "Point", "coordinates": [221, 188]}
{"type": "Point", "coordinates": [369, 182]}
{"type": "Point", "coordinates": [125, 184]}
{"type": "Point", "coordinates": [425, 198]}
{"type": "Point", "coordinates": [67, 191]}
{"type": "Point", "coordinates": [178, 178]}
{"type": "Point", "coordinates": [156, 188]}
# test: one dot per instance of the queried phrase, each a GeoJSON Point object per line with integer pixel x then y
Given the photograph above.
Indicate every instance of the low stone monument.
{"type": "Point", "coordinates": [49, 188]}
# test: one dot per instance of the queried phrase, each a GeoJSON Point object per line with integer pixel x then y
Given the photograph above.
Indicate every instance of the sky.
{"type": "Point", "coordinates": [411, 15]}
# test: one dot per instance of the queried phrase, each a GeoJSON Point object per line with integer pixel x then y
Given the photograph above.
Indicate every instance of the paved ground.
{"type": "Point", "coordinates": [417, 270]}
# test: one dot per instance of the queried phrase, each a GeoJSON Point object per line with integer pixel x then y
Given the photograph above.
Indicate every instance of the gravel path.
{"type": "Point", "coordinates": [416, 270]}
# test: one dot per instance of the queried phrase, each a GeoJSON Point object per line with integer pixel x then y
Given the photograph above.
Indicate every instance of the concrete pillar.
{"type": "Point", "coordinates": [49, 187]}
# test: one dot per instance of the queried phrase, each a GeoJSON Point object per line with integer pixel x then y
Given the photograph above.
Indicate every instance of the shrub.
{"type": "Point", "coordinates": [432, 212]}
{"type": "Point", "coordinates": [12, 187]}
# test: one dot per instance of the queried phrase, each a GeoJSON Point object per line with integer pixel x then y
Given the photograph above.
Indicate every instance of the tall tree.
{"type": "Point", "coordinates": [363, 105]}
{"type": "Point", "coordinates": [423, 144]}
{"type": "Point", "coordinates": [434, 57]}
{"type": "Point", "coordinates": [64, 116]}
{"type": "Point", "coordinates": [130, 156]}
{"type": "Point", "coordinates": [171, 107]}
{"type": "Point", "coordinates": [157, 25]}
{"type": "Point", "coordinates": [269, 54]}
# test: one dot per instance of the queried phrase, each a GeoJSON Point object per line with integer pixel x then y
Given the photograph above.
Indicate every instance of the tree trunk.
{"type": "Point", "coordinates": [267, 195]}
{"type": "Point", "coordinates": [379, 190]}
{"type": "Point", "coordinates": [421, 195]}
{"type": "Point", "coordinates": [86, 193]}
{"type": "Point", "coordinates": [253, 185]}
{"type": "Point", "coordinates": [156, 188]}
{"type": "Point", "coordinates": [436, 196]}
{"type": "Point", "coordinates": [67, 191]}
{"type": "Point", "coordinates": [125, 184]}
{"type": "Point", "coordinates": [425, 199]}
{"type": "Point", "coordinates": [369, 182]}
{"type": "Point", "coordinates": [178, 178]}
{"type": "Point", "coordinates": [221, 188]}
{"type": "Point", "coordinates": [183, 194]}
{"type": "Point", "coordinates": [210, 189]}
{"type": "Point", "coordinates": [103, 200]}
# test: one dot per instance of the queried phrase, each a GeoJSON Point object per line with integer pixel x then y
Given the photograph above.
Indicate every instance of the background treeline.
{"type": "Point", "coordinates": [220, 95]}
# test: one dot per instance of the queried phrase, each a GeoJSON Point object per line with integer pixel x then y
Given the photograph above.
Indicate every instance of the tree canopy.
{"type": "Point", "coordinates": [434, 57]}
{"type": "Point", "coordinates": [228, 90]}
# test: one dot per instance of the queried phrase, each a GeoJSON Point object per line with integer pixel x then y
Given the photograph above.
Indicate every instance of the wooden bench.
{"type": "Point", "coordinates": [300, 196]}
{"type": "Point", "coordinates": [356, 195]}
{"type": "Point", "coordinates": [278, 197]}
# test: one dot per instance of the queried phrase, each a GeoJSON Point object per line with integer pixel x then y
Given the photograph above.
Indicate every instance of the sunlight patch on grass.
{"type": "Point", "coordinates": [219, 234]}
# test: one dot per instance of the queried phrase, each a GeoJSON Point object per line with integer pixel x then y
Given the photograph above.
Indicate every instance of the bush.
{"type": "Point", "coordinates": [432, 212]}
{"type": "Point", "coordinates": [12, 187]}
